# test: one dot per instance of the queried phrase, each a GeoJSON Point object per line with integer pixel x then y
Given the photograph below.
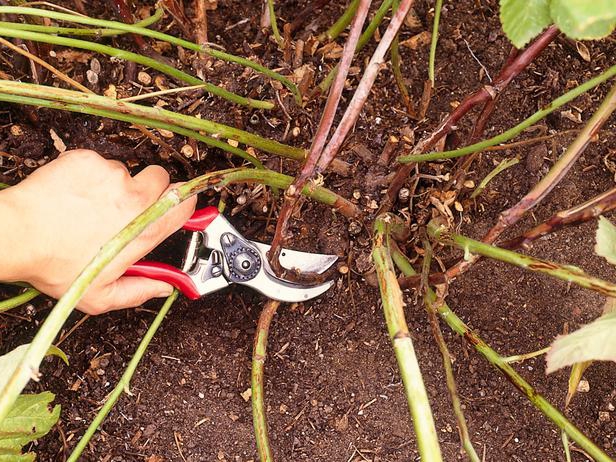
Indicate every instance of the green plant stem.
{"type": "Point", "coordinates": [502, 166]}
{"type": "Point", "coordinates": [135, 120]}
{"type": "Point", "coordinates": [76, 31]}
{"type": "Point", "coordinates": [341, 24]}
{"type": "Point", "coordinates": [274, 23]}
{"type": "Point", "coordinates": [124, 382]}
{"type": "Point", "coordinates": [365, 37]}
{"type": "Point", "coordinates": [391, 296]}
{"type": "Point", "coordinates": [564, 272]}
{"type": "Point", "coordinates": [437, 333]}
{"type": "Point", "coordinates": [525, 356]}
{"type": "Point", "coordinates": [136, 58]}
{"type": "Point", "coordinates": [157, 36]}
{"type": "Point", "coordinates": [438, 6]}
{"type": "Point", "coordinates": [537, 400]}
{"type": "Point", "coordinates": [18, 300]}
{"type": "Point", "coordinates": [10, 91]}
{"type": "Point", "coordinates": [513, 132]}
{"type": "Point", "coordinates": [259, 354]}
{"type": "Point", "coordinates": [30, 362]}
{"type": "Point", "coordinates": [4, 185]}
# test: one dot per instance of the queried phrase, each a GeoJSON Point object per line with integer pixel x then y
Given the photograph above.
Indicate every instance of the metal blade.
{"type": "Point", "coordinates": [305, 262]}
{"type": "Point", "coordinates": [285, 291]}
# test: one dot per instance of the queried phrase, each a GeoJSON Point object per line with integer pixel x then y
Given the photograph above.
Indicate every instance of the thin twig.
{"type": "Point", "coordinates": [61, 75]}
{"type": "Point", "coordinates": [157, 36]}
{"type": "Point", "coordinates": [274, 22]}
{"type": "Point", "coordinates": [490, 144]}
{"type": "Point", "coordinates": [395, 67]}
{"type": "Point", "coordinates": [363, 88]}
{"type": "Point", "coordinates": [433, 42]}
{"type": "Point", "coordinates": [364, 39]}
{"type": "Point", "coordinates": [136, 58]}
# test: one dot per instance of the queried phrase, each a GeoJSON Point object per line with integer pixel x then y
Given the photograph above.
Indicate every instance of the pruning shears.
{"type": "Point", "coordinates": [218, 256]}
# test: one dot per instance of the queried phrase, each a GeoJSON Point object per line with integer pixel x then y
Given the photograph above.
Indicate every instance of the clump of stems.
{"type": "Point", "coordinates": [537, 400]}
{"type": "Point", "coordinates": [393, 309]}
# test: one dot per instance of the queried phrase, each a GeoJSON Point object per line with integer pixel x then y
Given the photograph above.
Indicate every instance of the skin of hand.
{"type": "Point", "coordinates": [57, 219]}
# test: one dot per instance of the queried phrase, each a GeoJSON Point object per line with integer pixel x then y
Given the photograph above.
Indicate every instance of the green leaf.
{"type": "Point", "coordinates": [584, 19]}
{"type": "Point", "coordinates": [523, 20]}
{"type": "Point", "coordinates": [29, 419]}
{"type": "Point", "coordinates": [595, 341]}
{"type": "Point", "coordinates": [9, 361]}
{"type": "Point", "coordinates": [606, 240]}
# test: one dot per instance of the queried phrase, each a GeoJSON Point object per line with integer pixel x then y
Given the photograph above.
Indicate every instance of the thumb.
{"type": "Point", "coordinates": [125, 292]}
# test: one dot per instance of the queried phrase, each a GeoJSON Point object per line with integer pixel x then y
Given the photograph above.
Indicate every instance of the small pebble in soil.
{"type": "Point", "coordinates": [144, 78]}
{"type": "Point", "coordinates": [16, 130]}
{"type": "Point", "coordinates": [604, 416]}
{"type": "Point", "coordinates": [187, 151]}
{"type": "Point", "coordinates": [95, 66]}
{"type": "Point", "coordinates": [583, 386]}
{"type": "Point", "coordinates": [92, 76]}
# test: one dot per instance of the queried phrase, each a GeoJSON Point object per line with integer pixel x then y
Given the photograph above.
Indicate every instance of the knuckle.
{"type": "Point", "coordinates": [161, 172]}
{"type": "Point", "coordinates": [83, 154]}
{"type": "Point", "coordinates": [93, 309]}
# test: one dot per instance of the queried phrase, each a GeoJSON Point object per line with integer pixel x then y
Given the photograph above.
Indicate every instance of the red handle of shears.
{"type": "Point", "coordinates": [199, 221]}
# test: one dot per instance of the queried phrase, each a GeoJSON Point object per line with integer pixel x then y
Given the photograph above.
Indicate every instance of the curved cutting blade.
{"type": "Point", "coordinates": [285, 291]}
{"type": "Point", "coordinates": [305, 262]}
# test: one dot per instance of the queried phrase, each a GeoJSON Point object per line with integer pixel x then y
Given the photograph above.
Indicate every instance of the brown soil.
{"type": "Point", "coordinates": [333, 391]}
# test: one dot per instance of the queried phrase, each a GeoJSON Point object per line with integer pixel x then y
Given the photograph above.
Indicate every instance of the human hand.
{"type": "Point", "coordinates": [57, 219]}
